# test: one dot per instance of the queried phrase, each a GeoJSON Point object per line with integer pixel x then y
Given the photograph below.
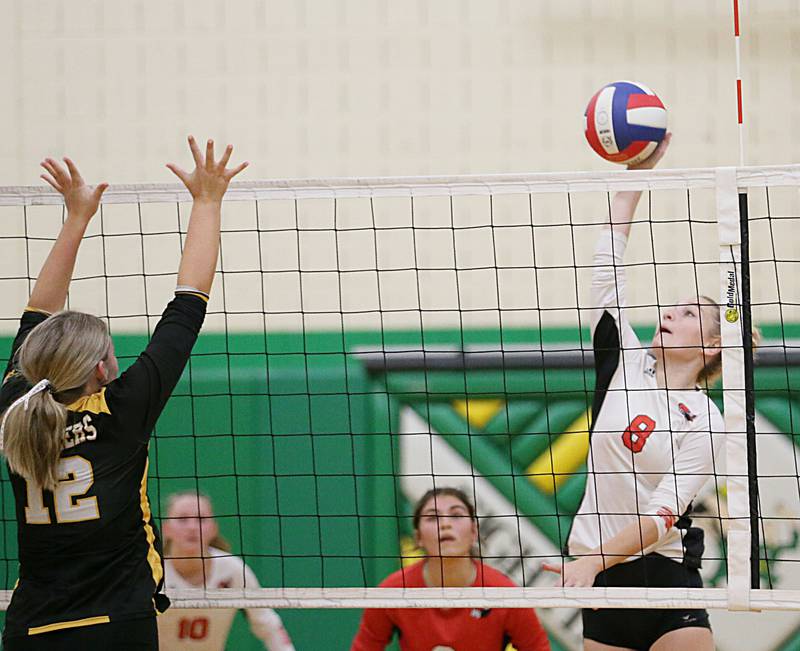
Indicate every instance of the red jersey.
{"type": "Point", "coordinates": [456, 629]}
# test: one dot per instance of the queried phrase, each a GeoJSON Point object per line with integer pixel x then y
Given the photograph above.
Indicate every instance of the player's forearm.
{"type": "Point", "coordinates": [200, 251]}
{"type": "Point", "coordinates": [638, 535]}
{"type": "Point", "coordinates": [623, 207]}
{"type": "Point", "coordinates": [276, 643]}
{"type": "Point", "coordinates": [50, 291]}
{"type": "Point", "coordinates": [267, 626]}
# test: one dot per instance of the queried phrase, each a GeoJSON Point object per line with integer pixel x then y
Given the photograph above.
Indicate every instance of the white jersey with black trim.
{"type": "Point", "coordinates": [651, 449]}
{"type": "Point", "coordinates": [207, 629]}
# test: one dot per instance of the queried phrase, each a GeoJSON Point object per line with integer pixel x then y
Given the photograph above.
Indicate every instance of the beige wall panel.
{"type": "Point", "coordinates": [369, 88]}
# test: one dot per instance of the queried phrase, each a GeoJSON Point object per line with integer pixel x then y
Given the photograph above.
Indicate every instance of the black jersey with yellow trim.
{"type": "Point", "coordinates": [31, 317]}
{"type": "Point", "coordinates": [89, 551]}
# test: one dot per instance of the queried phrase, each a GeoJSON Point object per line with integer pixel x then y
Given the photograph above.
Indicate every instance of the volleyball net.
{"type": "Point", "coordinates": [369, 339]}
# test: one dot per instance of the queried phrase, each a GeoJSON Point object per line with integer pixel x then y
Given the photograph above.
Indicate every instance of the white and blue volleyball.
{"type": "Point", "coordinates": [625, 121]}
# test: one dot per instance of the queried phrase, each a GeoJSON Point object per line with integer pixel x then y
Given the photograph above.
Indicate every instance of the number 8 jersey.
{"type": "Point", "coordinates": [651, 449]}
{"type": "Point", "coordinates": [89, 551]}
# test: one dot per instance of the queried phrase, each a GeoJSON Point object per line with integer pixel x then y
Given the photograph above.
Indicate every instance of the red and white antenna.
{"type": "Point", "coordinates": [738, 80]}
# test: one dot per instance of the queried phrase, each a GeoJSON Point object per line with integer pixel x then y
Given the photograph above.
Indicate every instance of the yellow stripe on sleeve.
{"type": "Point", "coordinates": [75, 623]}
{"type": "Point", "coordinates": [36, 309]}
{"type": "Point", "coordinates": [203, 296]}
{"type": "Point", "coordinates": [153, 557]}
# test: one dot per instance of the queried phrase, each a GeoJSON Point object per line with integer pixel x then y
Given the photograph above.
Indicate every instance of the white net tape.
{"type": "Point", "coordinates": [426, 186]}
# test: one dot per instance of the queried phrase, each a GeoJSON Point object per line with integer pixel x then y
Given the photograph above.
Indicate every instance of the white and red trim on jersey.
{"type": "Point", "coordinates": [207, 629]}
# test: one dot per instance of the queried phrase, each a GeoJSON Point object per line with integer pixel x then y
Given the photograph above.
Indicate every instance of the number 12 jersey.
{"type": "Point", "coordinates": [89, 551]}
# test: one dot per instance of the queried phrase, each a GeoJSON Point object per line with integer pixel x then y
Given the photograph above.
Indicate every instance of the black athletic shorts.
{"type": "Point", "coordinates": [639, 629]}
{"type": "Point", "coordinates": [129, 635]}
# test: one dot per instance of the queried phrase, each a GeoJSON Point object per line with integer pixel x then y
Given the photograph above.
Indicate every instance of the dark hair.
{"type": "Point", "coordinates": [444, 491]}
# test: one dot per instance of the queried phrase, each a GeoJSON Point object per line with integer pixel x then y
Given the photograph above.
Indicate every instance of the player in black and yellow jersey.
{"type": "Point", "coordinates": [76, 436]}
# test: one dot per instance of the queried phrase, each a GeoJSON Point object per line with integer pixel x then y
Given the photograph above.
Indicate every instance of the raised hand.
{"type": "Point", "coordinates": [652, 160]}
{"type": "Point", "coordinates": [81, 200]}
{"type": "Point", "coordinates": [209, 180]}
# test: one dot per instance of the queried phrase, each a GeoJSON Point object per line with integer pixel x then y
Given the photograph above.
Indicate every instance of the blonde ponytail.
{"type": "Point", "coordinates": [58, 357]}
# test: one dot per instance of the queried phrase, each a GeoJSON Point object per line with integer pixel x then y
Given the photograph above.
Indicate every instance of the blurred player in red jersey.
{"type": "Point", "coordinates": [446, 529]}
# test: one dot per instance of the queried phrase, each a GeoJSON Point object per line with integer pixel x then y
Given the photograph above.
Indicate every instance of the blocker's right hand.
{"type": "Point", "coordinates": [210, 179]}
{"type": "Point", "coordinates": [80, 199]}
{"type": "Point", "coordinates": [653, 159]}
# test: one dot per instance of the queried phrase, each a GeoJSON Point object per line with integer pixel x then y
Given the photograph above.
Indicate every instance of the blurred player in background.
{"type": "Point", "coordinates": [198, 557]}
{"type": "Point", "coordinates": [446, 529]}
{"type": "Point", "coordinates": [655, 441]}
{"type": "Point", "coordinates": [76, 436]}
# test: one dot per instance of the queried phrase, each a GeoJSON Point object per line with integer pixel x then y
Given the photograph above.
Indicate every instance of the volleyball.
{"type": "Point", "coordinates": [625, 121]}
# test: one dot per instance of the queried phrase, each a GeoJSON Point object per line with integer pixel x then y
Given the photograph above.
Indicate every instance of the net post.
{"type": "Point", "coordinates": [749, 394]}
{"type": "Point", "coordinates": [734, 398]}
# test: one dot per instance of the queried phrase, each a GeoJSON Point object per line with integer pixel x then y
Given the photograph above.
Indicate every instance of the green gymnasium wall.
{"type": "Point", "coordinates": [295, 449]}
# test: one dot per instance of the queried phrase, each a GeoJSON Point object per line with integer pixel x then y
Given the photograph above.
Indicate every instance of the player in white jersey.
{"type": "Point", "coordinates": [655, 441]}
{"type": "Point", "coordinates": [194, 559]}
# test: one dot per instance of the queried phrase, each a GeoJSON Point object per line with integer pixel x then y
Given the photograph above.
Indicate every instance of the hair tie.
{"type": "Point", "coordinates": [24, 399]}
{"type": "Point", "coordinates": [40, 386]}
